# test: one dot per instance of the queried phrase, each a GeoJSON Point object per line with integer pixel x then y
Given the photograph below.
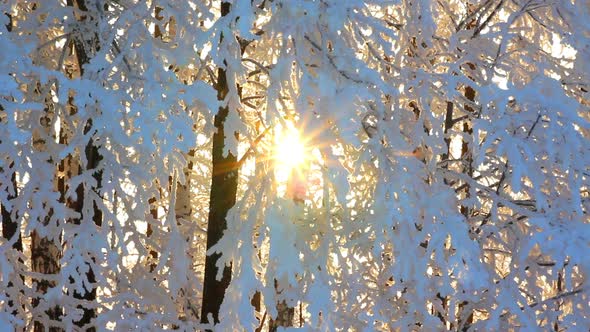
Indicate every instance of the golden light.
{"type": "Point", "coordinates": [291, 158]}
{"type": "Point", "coordinates": [290, 152]}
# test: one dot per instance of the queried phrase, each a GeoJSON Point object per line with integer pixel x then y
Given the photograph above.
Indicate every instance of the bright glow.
{"type": "Point", "coordinates": [290, 152]}
{"type": "Point", "coordinates": [290, 158]}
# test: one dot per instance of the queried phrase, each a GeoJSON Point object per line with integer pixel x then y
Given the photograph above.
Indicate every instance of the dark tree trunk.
{"type": "Point", "coordinates": [93, 157]}
{"type": "Point", "coordinates": [10, 229]}
{"type": "Point", "coordinates": [465, 210]}
{"type": "Point", "coordinates": [45, 256]}
{"type": "Point", "coordinates": [46, 252]}
{"type": "Point", "coordinates": [224, 186]}
{"type": "Point", "coordinates": [285, 317]}
{"type": "Point", "coordinates": [9, 224]}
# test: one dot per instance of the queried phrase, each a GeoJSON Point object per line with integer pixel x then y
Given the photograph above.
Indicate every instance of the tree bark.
{"type": "Point", "coordinates": [45, 251]}
{"type": "Point", "coordinates": [224, 185]}
{"type": "Point", "coordinates": [285, 317]}
{"type": "Point", "coordinates": [93, 157]}
{"type": "Point", "coordinates": [285, 313]}
{"type": "Point", "coordinates": [10, 227]}
{"type": "Point", "coordinates": [45, 256]}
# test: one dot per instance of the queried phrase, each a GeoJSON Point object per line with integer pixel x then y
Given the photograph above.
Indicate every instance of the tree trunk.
{"type": "Point", "coordinates": [45, 256]}
{"type": "Point", "coordinates": [93, 158]}
{"type": "Point", "coordinates": [45, 251]}
{"type": "Point", "coordinates": [224, 185]}
{"type": "Point", "coordinates": [285, 317]}
{"type": "Point", "coordinates": [10, 227]}
{"type": "Point", "coordinates": [286, 314]}
{"type": "Point", "coordinates": [465, 210]}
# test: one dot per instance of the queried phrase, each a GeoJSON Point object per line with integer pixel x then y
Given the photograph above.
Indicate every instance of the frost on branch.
{"type": "Point", "coordinates": [445, 187]}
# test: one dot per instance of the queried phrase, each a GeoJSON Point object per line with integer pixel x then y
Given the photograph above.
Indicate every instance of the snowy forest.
{"type": "Point", "coordinates": [318, 165]}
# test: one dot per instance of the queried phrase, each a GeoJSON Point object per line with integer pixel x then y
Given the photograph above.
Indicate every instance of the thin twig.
{"type": "Point", "coordinates": [53, 40]}
{"type": "Point", "coordinates": [467, 18]}
{"type": "Point", "coordinates": [331, 59]}
{"type": "Point", "coordinates": [252, 147]}
{"type": "Point", "coordinates": [262, 322]}
{"type": "Point", "coordinates": [449, 13]}
{"type": "Point", "coordinates": [556, 297]}
{"type": "Point", "coordinates": [258, 64]}
{"type": "Point", "coordinates": [253, 98]}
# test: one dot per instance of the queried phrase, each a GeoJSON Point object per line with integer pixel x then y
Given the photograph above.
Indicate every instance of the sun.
{"type": "Point", "coordinates": [290, 150]}
{"type": "Point", "coordinates": [291, 161]}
